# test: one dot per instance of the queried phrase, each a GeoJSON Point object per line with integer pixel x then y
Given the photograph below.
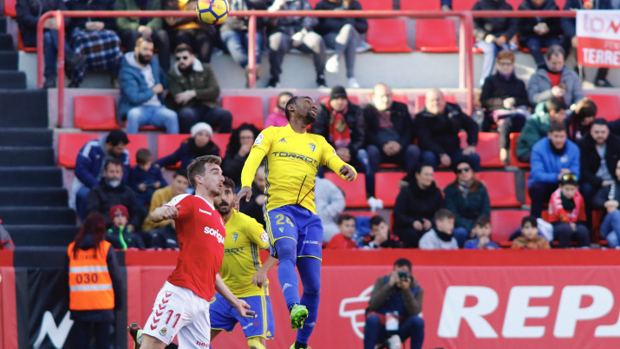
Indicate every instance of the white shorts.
{"type": "Point", "coordinates": [179, 311]}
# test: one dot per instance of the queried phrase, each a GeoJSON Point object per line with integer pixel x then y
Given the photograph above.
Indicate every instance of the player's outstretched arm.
{"type": "Point", "coordinates": [260, 277]}
{"type": "Point", "coordinates": [164, 213]}
{"type": "Point", "coordinates": [242, 307]}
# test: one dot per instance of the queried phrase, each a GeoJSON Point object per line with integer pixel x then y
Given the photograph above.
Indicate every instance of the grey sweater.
{"type": "Point", "coordinates": [539, 87]}
{"type": "Point", "coordinates": [430, 241]}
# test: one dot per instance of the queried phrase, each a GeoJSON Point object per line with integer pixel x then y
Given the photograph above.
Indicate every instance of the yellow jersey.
{"type": "Point", "coordinates": [293, 160]}
{"type": "Point", "coordinates": [244, 237]}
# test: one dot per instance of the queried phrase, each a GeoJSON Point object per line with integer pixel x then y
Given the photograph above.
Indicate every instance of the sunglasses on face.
{"type": "Point", "coordinates": [570, 177]}
{"type": "Point", "coordinates": [182, 58]}
{"type": "Point", "coordinates": [463, 169]}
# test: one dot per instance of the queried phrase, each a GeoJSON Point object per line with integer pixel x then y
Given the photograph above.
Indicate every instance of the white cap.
{"type": "Point", "coordinates": [201, 126]}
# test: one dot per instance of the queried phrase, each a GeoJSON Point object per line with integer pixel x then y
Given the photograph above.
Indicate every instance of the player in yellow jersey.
{"type": "Point", "coordinates": [243, 274]}
{"type": "Point", "coordinates": [293, 157]}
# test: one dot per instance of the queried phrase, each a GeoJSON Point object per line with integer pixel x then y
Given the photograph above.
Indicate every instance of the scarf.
{"type": "Point", "coordinates": [464, 187]}
{"type": "Point", "coordinates": [556, 151]}
{"type": "Point", "coordinates": [443, 236]}
{"type": "Point", "coordinates": [567, 204]}
{"type": "Point", "coordinates": [339, 132]}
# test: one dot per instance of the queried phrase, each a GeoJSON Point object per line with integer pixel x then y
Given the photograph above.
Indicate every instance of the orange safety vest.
{"type": "Point", "coordinates": [90, 284]}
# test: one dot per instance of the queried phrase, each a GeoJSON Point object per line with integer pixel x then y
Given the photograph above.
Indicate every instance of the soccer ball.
{"type": "Point", "coordinates": [212, 11]}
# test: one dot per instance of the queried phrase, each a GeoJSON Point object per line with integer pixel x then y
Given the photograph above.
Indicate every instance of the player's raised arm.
{"type": "Point", "coordinates": [164, 213]}
{"type": "Point", "coordinates": [258, 152]}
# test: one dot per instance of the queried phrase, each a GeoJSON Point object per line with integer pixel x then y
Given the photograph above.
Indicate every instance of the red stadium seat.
{"type": "Point", "coordinates": [361, 213]}
{"type": "Point", "coordinates": [420, 101]}
{"type": "Point", "coordinates": [221, 139]}
{"type": "Point", "coordinates": [435, 35]}
{"type": "Point", "coordinates": [354, 192]}
{"type": "Point", "coordinates": [371, 5]}
{"type": "Point", "coordinates": [245, 109]}
{"type": "Point", "coordinates": [95, 113]}
{"type": "Point", "coordinates": [528, 201]}
{"type": "Point", "coordinates": [463, 5]}
{"type": "Point", "coordinates": [504, 223]}
{"type": "Point", "coordinates": [9, 8]}
{"type": "Point", "coordinates": [501, 188]}
{"type": "Point", "coordinates": [167, 144]}
{"type": "Point", "coordinates": [513, 152]}
{"type": "Point", "coordinates": [608, 106]}
{"type": "Point", "coordinates": [387, 187]}
{"type": "Point", "coordinates": [314, 2]}
{"type": "Point", "coordinates": [20, 44]}
{"type": "Point", "coordinates": [387, 35]}
{"type": "Point", "coordinates": [442, 179]}
{"type": "Point", "coordinates": [396, 97]}
{"type": "Point", "coordinates": [69, 144]}
{"type": "Point", "coordinates": [420, 5]}
{"type": "Point", "coordinates": [353, 98]}
{"type": "Point", "coordinates": [488, 149]}
{"type": "Point", "coordinates": [137, 142]}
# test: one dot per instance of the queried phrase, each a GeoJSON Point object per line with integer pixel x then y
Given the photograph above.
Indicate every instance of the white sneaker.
{"type": "Point", "coordinates": [332, 64]}
{"type": "Point", "coordinates": [353, 83]}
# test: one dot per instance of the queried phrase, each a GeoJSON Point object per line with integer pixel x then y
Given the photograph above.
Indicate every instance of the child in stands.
{"type": "Point", "coordinates": [482, 235]}
{"type": "Point", "coordinates": [144, 179]}
{"type": "Point", "coordinates": [529, 238]}
{"type": "Point", "coordinates": [346, 226]}
{"type": "Point", "coordinates": [440, 237]}
{"type": "Point", "coordinates": [118, 235]}
{"type": "Point", "coordinates": [567, 213]}
{"type": "Point", "coordinates": [380, 236]}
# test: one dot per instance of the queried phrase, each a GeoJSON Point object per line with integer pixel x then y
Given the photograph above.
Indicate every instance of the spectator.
{"type": "Point", "coordinates": [569, 29]}
{"type": "Point", "coordinates": [28, 14]}
{"type": "Point", "coordinates": [111, 191]}
{"type": "Point", "coordinates": [346, 229]}
{"type": "Point", "coordinates": [446, 5]}
{"type": "Point", "coordinates": [416, 205]}
{"type": "Point", "coordinates": [341, 123]}
{"type": "Point", "coordinates": [254, 208]}
{"type": "Point", "coordinates": [198, 144]}
{"type": "Point", "coordinates": [95, 40]}
{"type": "Point", "coordinates": [178, 186]}
{"type": "Point", "coordinates": [194, 92]}
{"type": "Point", "coordinates": [493, 34]}
{"type": "Point", "coordinates": [481, 235]}
{"type": "Point", "coordinates": [142, 83]}
{"type": "Point", "coordinates": [529, 238]}
{"type": "Point", "coordinates": [7, 243]}
{"type": "Point", "coordinates": [396, 295]}
{"type": "Point", "coordinates": [389, 134]}
{"type": "Point", "coordinates": [295, 32]}
{"type": "Point", "coordinates": [380, 236]}
{"type": "Point", "coordinates": [93, 311]}
{"type": "Point", "coordinates": [607, 199]}
{"type": "Point", "coordinates": [438, 126]}
{"type": "Point", "coordinates": [468, 199]}
{"type": "Point", "coordinates": [537, 127]}
{"type": "Point", "coordinates": [241, 141]}
{"type": "Point", "coordinates": [580, 120]}
{"type": "Point", "coordinates": [567, 213]}
{"type": "Point", "coordinates": [440, 238]}
{"type": "Point", "coordinates": [553, 80]}
{"type": "Point", "coordinates": [536, 33]}
{"type": "Point", "coordinates": [118, 235]}
{"type": "Point", "coordinates": [552, 157]}
{"type": "Point", "coordinates": [330, 203]}
{"type": "Point", "coordinates": [277, 117]}
{"type": "Point", "coordinates": [342, 35]}
{"type": "Point", "coordinates": [89, 167]}
{"type": "Point", "coordinates": [133, 28]}
{"type": "Point", "coordinates": [234, 33]}
{"type": "Point", "coordinates": [190, 31]}
{"type": "Point", "coordinates": [144, 178]}
{"type": "Point", "coordinates": [505, 100]}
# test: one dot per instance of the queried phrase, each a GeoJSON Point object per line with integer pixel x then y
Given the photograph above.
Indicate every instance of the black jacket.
{"type": "Point", "coordinates": [591, 161]}
{"type": "Point", "coordinates": [28, 13]}
{"type": "Point", "coordinates": [496, 88]}
{"type": "Point", "coordinates": [187, 152]}
{"type": "Point", "coordinates": [121, 239]}
{"type": "Point", "coordinates": [333, 25]}
{"type": "Point", "coordinates": [569, 23]}
{"type": "Point", "coordinates": [401, 119]}
{"type": "Point", "coordinates": [251, 208]}
{"type": "Point", "coordinates": [117, 286]}
{"type": "Point", "coordinates": [497, 26]}
{"type": "Point", "coordinates": [603, 195]}
{"type": "Point", "coordinates": [527, 24]}
{"type": "Point", "coordinates": [102, 197]}
{"type": "Point", "coordinates": [414, 204]}
{"type": "Point", "coordinates": [92, 5]}
{"type": "Point", "coordinates": [355, 120]}
{"type": "Point", "coordinates": [440, 133]}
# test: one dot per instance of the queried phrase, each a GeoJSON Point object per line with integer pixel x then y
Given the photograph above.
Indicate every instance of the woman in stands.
{"type": "Point", "coordinates": [241, 141]}
{"type": "Point", "coordinates": [579, 122]}
{"type": "Point", "coordinates": [95, 288]}
{"type": "Point", "coordinates": [198, 144]}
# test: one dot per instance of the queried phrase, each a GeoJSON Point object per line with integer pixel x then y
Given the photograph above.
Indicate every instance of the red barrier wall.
{"type": "Point", "coordinates": [8, 313]}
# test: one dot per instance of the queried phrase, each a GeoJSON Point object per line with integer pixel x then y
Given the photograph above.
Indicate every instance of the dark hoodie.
{"type": "Point", "coordinates": [333, 25]}
{"type": "Point", "coordinates": [102, 197]}
{"type": "Point", "coordinates": [414, 204]}
{"type": "Point", "coordinates": [117, 285]}
{"type": "Point", "coordinates": [440, 133]}
{"type": "Point", "coordinates": [187, 152]}
{"type": "Point", "coordinates": [496, 26]}
{"type": "Point", "coordinates": [526, 25]}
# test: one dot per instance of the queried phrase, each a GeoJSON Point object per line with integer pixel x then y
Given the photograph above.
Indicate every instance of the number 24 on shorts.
{"type": "Point", "coordinates": [280, 220]}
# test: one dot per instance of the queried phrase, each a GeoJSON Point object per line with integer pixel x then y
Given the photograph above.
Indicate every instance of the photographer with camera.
{"type": "Point", "coordinates": [393, 310]}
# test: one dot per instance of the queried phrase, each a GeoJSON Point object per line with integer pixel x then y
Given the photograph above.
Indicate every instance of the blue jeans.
{"type": "Point", "coordinates": [153, 116]}
{"type": "Point", "coordinates": [407, 157]}
{"type": "Point", "coordinates": [50, 51]}
{"type": "Point", "coordinates": [490, 52]}
{"type": "Point", "coordinates": [535, 45]}
{"type": "Point", "coordinates": [428, 157]}
{"type": "Point", "coordinates": [461, 235]}
{"type": "Point", "coordinates": [80, 202]}
{"type": "Point", "coordinates": [236, 42]}
{"type": "Point", "coordinates": [375, 333]}
{"type": "Point", "coordinates": [610, 228]}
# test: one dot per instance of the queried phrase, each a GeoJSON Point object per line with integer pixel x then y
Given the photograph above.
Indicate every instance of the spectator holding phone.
{"type": "Point", "coordinates": [552, 79]}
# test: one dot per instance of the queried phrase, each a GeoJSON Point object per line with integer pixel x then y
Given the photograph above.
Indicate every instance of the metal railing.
{"type": "Point", "coordinates": [465, 37]}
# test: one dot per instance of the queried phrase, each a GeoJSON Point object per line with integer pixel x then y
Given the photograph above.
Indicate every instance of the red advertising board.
{"type": "Point", "coordinates": [598, 36]}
